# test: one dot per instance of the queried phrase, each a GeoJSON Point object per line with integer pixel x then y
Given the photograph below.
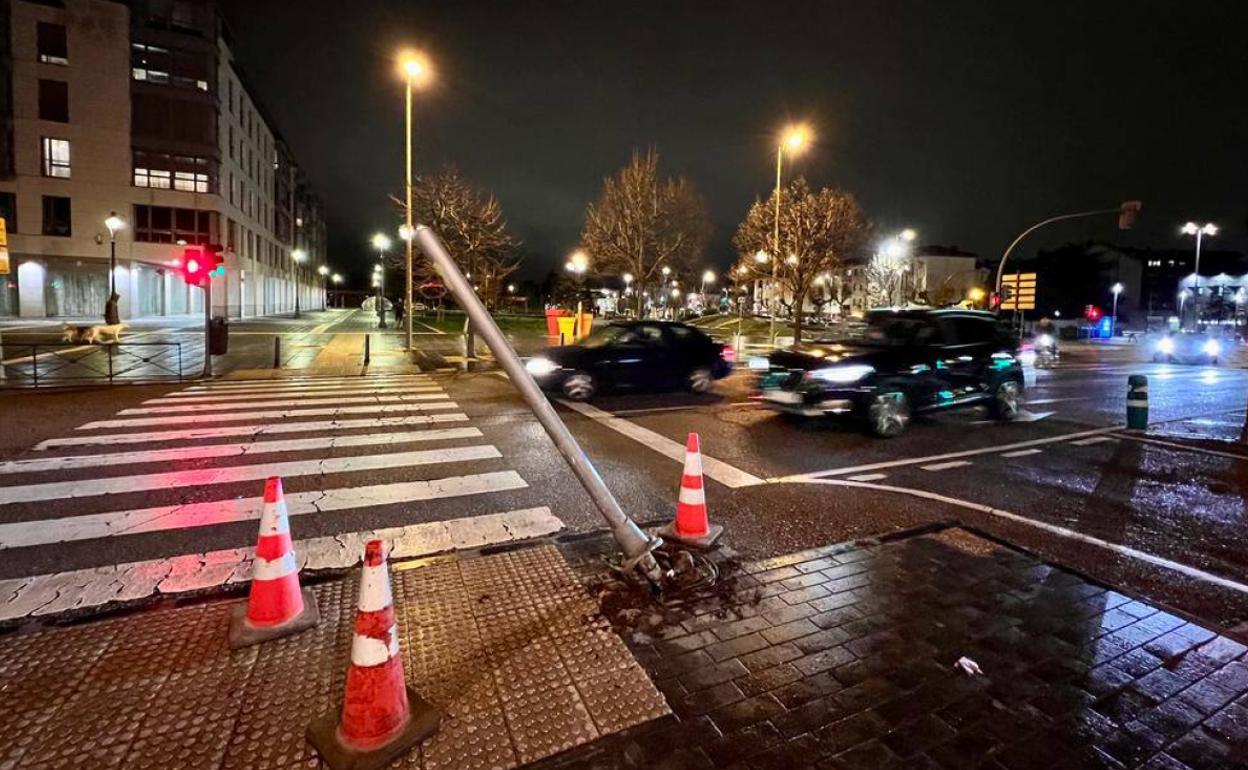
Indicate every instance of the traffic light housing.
{"type": "Point", "coordinates": [1092, 313]}
{"type": "Point", "coordinates": [200, 264]}
{"type": "Point", "coordinates": [1127, 213]}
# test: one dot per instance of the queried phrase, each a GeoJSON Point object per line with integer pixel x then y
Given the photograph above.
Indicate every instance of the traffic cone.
{"type": "Point", "coordinates": [381, 718]}
{"type": "Point", "coordinates": [692, 526]}
{"type": "Point", "coordinates": [276, 606]}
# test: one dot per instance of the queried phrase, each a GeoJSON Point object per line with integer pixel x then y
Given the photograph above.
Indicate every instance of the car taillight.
{"type": "Point", "coordinates": [728, 354]}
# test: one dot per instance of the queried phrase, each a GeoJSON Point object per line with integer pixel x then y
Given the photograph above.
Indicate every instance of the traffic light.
{"type": "Point", "coordinates": [1092, 313]}
{"type": "Point", "coordinates": [200, 264]}
{"type": "Point", "coordinates": [1127, 213]}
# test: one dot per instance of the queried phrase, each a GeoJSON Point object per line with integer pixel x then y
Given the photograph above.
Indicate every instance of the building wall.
{"type": "Point", "coordinates": [68, 276]}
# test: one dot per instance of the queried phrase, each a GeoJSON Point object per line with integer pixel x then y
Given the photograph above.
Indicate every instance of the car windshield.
{"type": "Point", "coordinates": [610, 335]}
{"type": "Point", "coordinates": [888, 329]}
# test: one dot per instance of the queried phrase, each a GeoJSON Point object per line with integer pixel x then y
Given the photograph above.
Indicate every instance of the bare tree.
{"type": "Point", "coordinates": [818, 232]}
{"type": "Point", "coordinates": [642, 223]}
{"type": "Point", "coordinates": [472, 225]}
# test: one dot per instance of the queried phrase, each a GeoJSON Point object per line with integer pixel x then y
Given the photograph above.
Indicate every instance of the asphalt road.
{"type": "Point", "coordinates": [1157, 519]}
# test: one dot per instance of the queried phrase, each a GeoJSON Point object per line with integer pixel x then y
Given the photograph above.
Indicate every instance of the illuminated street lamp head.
{"type": "Point", "coordinates": [381, 242]}
{"type": "Point", "coordinates": [628, 278]}
{"type": "Point", "coordinates": [708, 276]}
{"type": "Point", "coordinates": [795, 138]}
{"type": "Point", "coordinates": [377, 268]}
{"type": "Point", "coordinates": [336, 278]}
{"type": "Point", "coordinates": [415, 68]}
{"type": "Point", "coordinates": [675, 292]}
{"type": "Point", "coordinates": [114, 223]}
{"type": "Point", "coordinates": [298, 255]}
{"type": "Point", "coordinates": [975, 294]}
{"type": "Point", "coordinates": [1117, 288]}
{"type": "Point", "coordinates": [578, 261]}
{"type": "Point", "coordinates": [908, 235]}
{"type": "Point", "coordinates": [323, 270]}
{"type": "Point", "coordinates": [511, 288]}
{"type": "Point", "coordinates": [1208, 228]}
{"type": "Point", "coordinates": [666, 271]}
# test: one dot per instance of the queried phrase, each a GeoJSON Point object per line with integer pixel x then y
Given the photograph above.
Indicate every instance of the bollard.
{"type": "Point", "coordinates": [277, 352]}
{"type": "Point", "coordinates": [1137, 402]}
{"type": "Point", "coordinates": [367, 338]}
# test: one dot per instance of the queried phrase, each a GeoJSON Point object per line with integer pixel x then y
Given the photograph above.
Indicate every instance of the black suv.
{"type": "Point", "coordinates": [908, 361]}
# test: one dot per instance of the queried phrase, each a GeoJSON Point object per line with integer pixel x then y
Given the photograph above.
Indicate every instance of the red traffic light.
{"type": "Point", "coordinates": [1092, 313]}
{"type": "Point", "coordinates": [201, 263]}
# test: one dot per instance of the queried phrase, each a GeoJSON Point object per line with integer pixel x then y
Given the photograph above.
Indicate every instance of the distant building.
{"type": "Point", "coordinates": [945, 275]}
{"type": "Point", "coordinates": [1168, 271]}
{"type": "Point", "coordinates": [139, 108]}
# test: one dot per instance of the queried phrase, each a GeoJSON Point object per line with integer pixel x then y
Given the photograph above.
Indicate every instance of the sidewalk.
{"type": "Point", "coordinates": [840, 657]}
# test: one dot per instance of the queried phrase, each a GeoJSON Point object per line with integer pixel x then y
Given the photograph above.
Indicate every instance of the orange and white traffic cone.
{"type": "Point", "coordinates": [381, 717]}
{"type": "Point", "coordinates": [276, 606]}
{"type": "Point", "coordinates": [692, 526]}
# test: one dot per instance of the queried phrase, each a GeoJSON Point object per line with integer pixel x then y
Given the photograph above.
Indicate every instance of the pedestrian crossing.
{"type": "Point", "coordinates": [356, 453]}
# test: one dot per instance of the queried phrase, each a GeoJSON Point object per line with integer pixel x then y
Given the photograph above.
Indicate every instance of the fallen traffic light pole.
{"type": "Point", "coordinates": [637, 546]}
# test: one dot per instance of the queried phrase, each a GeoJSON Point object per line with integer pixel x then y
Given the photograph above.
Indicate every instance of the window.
{"type": "Point", "coordinates": [52, 44]}
{"type": "Point", "coordinates": [163, 171]}
{"type": "Point", "coordinates": [56, 157]}
{"type": "Point", "coordinates": [54, 100]}
{"type": "Point", "coordinates": [163, 224]}
{"type": "Point", "coordinates": [56, 216]}
{"type": "Point", "coordinates": [8, 211]}
{"type": "Point", "coordinates": [154, 64]}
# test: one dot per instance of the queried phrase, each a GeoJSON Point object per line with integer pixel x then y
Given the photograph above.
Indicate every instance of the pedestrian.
{"type": "Point", "coordinates": [399, 310]}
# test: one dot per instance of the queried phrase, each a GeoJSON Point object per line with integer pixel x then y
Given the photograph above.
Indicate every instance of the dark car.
{"type": "Point", "coordinates": [650, 355]}
{"type": "Point", "coordinates": [907, 361]}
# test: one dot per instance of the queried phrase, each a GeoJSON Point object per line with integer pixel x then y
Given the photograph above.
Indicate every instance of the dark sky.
{"type": "Point", "coordinates": [965, 120]}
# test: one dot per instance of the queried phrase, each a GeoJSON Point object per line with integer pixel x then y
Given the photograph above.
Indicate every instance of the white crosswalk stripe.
{"type": "Point", "coordinates": [395, 448]}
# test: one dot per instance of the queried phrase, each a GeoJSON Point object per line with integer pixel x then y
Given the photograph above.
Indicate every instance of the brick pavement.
{"type": "Point", "coordinates": [843, 657]}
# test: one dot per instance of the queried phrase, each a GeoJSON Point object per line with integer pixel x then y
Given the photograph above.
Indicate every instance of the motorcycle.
{"type": "Point", "coordinates": [1046, 349]}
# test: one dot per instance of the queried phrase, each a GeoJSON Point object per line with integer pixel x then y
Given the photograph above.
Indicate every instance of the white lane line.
{"type": "Point", "coordinates": [1043, 401]}
{"type": "Point", "coordinates": [22, 534]}
{"type": "Point", "coordinates": [318, 382]}
{"type": "Point", "coordinates": [946, 466]}
{"type": "Point", "coordinates": [331, 390]}
{"type": "Point", "coordinates": [1023, 453]}
{"type": "Point", "coordinates": [946, 456]}
{"type": "Point", "coordinates": [1118, 548]}
{"type": "Point", "coordinates": [869, 477]}
{"type": "Point", "coordinates": [191, 419]}
{"type": "Point", "coordinates": [192, 479]}
{"type": "Point", "coordinates": [1093, 440]}
{"type": "Point", "coordinates": [432, 329]}
{"type": "Point", "coordinates": [208, 451]}
{"type": "Point", "coordinates": [718, 470]}
{"type": "Point", "coordinates": [191, 434]}
{"type": "Point", "coordinates": [195, 408]}
{"type": "Point", "coordinates": [1185, 447]}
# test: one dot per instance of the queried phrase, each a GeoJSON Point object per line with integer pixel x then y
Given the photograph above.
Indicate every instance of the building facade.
{"type": "Point", "coordinates": [139, 108]}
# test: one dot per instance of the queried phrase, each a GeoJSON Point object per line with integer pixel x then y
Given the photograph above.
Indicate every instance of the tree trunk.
{"type": "Point", "coordinates": [798, 301]}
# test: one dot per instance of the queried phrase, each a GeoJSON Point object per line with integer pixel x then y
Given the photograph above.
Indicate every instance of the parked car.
{"type": "Point", "coordinates": [655, 355]}
{"type": "Point", "coordinates": [907, 361]}
{"type": "Point", "coordinates": [1188, 348]}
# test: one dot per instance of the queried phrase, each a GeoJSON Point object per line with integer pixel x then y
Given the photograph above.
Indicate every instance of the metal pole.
{"type": "Point", "coordinates": [637, 546]}
{"type": "Point", "coordinates": [407, 279]}
{"type": "Point", "coordinates": [367, 352]}
{"type": "Point", "coordinates": [1037, 226]}
{"type": "Point", "coordinates": [1196, 274]}
{"type": "Point", "coordinates": [207, 326]}
{"type": "Point", "coordinates": [277, 352]}
{"type": "Point", "coordinates": [775, 246]}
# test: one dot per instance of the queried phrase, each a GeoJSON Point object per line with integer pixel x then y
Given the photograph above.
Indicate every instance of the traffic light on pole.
{"type": "Point", "coordinates": [200, 264]}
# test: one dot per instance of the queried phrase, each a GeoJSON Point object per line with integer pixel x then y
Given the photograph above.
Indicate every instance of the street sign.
{"type": "Point", "coordinates": [1018, 291]}
{"type": "Point", "coordinates": [4, 247]}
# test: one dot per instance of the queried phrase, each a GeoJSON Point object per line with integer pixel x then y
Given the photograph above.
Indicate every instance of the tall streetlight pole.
{"type": "Point", "coordinates": [707, 277]}
{"type": "Point", "coordinates": [337, 279]}
{"type": "Point", "coordinates": [323, 270]}
{"type": "Point", "coordinates": [1116, 289]}
{"type": "Point", "coordinates": [794, 139]}
{"type": "Point", "coordinates": [297, 256]}
{"type": "Point", "coordinates": [381, 243]}
{"type": "Point", "coordinates": [113, 223]}
{"type": "Point", "coordinates": [1191, 228]}
{"type": "Point", "coordinates": [416, 72]}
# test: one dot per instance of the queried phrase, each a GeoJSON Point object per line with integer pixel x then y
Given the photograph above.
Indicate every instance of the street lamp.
{"type": "Point", "coordinates": [794, 139]}
{"type": "Point", "coordinates": [417, 72]}
{"type": "Point", "coordinates": [1191, 228]}
{"type": "Point", "coordinates": [1116, 289]}
{"type": "Point", "coordinates": [336, 279]}
{"type": "Point", "coordinates": [323, 270]}
{"type": "Point", "coordinates": [113, 223]}
{"type": "Point", "coordinates": [382, 244]}
{"type": "Point", "coordinates": [297, 256]}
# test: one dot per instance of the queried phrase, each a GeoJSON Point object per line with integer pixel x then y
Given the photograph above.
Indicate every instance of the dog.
{"type": "Point", "coordinates": [92, 335]}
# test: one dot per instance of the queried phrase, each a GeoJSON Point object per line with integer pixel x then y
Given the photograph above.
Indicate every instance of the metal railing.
{"type": "Point", "coordinates": [62, 363]}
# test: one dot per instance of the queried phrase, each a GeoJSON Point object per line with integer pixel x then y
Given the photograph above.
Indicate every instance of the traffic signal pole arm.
{"type": "Point", "coordinates": [1126, 212]}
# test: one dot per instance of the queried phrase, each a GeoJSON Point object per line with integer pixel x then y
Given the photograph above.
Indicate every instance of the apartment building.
{"type": "Point", "coordinates": [139, 108]}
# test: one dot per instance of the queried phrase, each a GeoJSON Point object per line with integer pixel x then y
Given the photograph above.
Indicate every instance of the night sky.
{"type": "Point", "coordinates": [965, 120]}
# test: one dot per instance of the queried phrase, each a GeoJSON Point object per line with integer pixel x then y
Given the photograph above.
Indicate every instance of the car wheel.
{"type": "Point", "coordinates": [701, 380]}
{"type": "Point", "coordinates": [579, 386]}
{"type": "Point", "coordinates": [1007, 402]}
{"type": "Point", "coordinates": [889, 414]}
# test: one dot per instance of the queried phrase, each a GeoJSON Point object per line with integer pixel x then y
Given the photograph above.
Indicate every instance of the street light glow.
{"type": "Point", "coordinates": [796, 138]}
{"type": "Point", "coordinates": [1208, 228]}
{"type": "Point", "coordinates": [323, 270]}
{"type": "Point", "coordinates": [407, 233]}
{"type": "Point", "coordinates": [377, 268]}
{"type": "Point", "coordinates": [1117, 288]}
{"type": "Point", "coordinates": [628, 278]}
{"type": "Point", "coordinates": [666, 271]}
{"type": "Point", "coordinates": [298, 255]}
{"type": "Point", "coordinates": [761, 257]}
{"type": "Point", "coordinates": [381, 242]}
{"type": "Point", "coordinates": [415, 67]}
{"type": "Point", "coordinates": [578, 262]}
{"type": "Point", "coordinates": [908, 235]}
{"type": "Point", "coordinates": [975, 294]}
{"type": "Point", "coordinates": [708, 276]}
{"type": "Point", "coordinates": [114, 223]}
{"type": "Point", "coordinates": [336, 278]}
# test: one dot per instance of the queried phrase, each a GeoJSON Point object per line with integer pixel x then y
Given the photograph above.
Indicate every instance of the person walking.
{"type": "Point", "coordinates": [399, 311]}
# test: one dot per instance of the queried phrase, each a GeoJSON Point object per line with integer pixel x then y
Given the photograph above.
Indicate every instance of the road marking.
{"type": "Point", "coordinates": [191, 434]}
{"type": "Point", "coordinates": [193, 479]}
{"type": "Point", "coordinates": [1022, 453]}
{"type": "Point", "coordinates": [248, 386]}
{"type": "Point", "coordinates": [1118, 548]}
{"type": "Point", "coordinates": [328, 401]}
{"type": "Point", "coordinates": [946, 466]}
{"type": "Point", "coordinates": [1093, 440]}
{"type": "Point", "coordinates": [22, 534]}
{"type": "Point", "coordinates": [138, 422]}
{"type": "Point", "coordinates": [329, 390]}
{"type": "Point", "coordinates": [1043, 401]}
{"type": "Point", "coordinates": [947, 456]}
{"type": "Point", "coordinates": [1184, 447]}
{"type": "Point", "coordinates": [718, 470]}
{"type": "Point", "coordinates": [208, 451]}
{"type": "Point", "coordinates": [684, 407]}
{"type": "Point", "coordinates": [330, 324]}
{"type": "Point", "coordinates": [869, 477]}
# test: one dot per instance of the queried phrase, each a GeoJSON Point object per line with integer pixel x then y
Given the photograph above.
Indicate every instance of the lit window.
{"type": "Point", "coordinates": [56, 157]}
{"type": "Point", "coordinates": [52, 43]}
{"type": "Point", "coordinates": [190, 182]}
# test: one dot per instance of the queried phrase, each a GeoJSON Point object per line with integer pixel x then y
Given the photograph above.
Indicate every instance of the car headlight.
{"type": "Point", "coordinates": [1166, 345]}
{"type": "Point", "coordinates": [843, 374]}
{"type": "Point", "coordinates": [1212, 348]}
{"type": "Point", "coordinates": [540, 367]}
{"type": "Point", "coordinates": [1044, 340]}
